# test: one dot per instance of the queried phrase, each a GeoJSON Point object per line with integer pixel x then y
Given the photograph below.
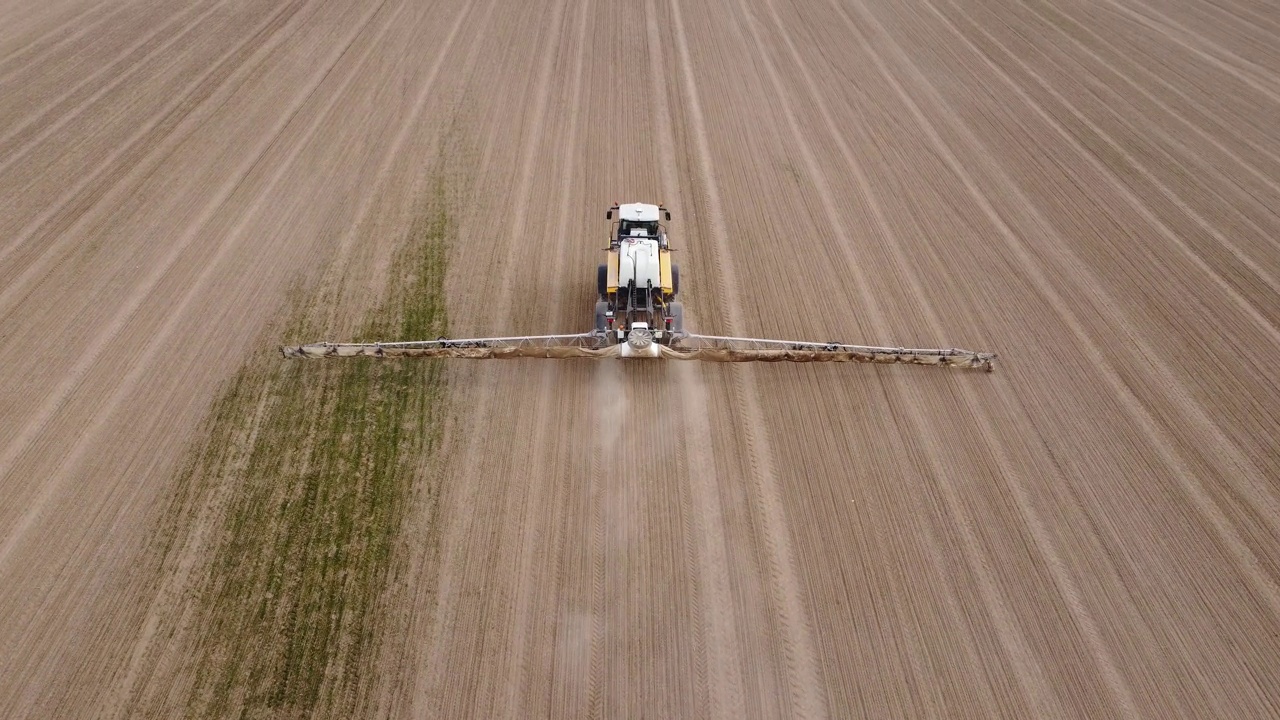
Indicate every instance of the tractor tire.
{"type": "Point", "coordinates": [675, 279]}
{"type": "Point", "coordinates": [677, 317]}
{"type": "Point", "coordinates": [602, 307]}
{"type": "Point", "coordinates": [602, 281]}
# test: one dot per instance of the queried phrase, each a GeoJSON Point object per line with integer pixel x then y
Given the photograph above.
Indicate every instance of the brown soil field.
{"type": "Point", "coordinates": [192, 526]}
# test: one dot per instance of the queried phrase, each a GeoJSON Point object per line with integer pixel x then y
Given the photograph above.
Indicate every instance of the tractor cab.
{"type": "Point", "coordinates": [638, 221]}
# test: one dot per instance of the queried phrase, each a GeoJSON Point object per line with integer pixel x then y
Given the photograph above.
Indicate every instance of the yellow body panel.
{"type": "Point", "coordinates": [612, 284]}
{"type": "Point", "coordinates": [664, 263]}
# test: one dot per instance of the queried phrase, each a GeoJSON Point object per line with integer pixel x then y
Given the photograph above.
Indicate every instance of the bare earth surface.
{"type": "Point", "coordinates": [1089, 188]}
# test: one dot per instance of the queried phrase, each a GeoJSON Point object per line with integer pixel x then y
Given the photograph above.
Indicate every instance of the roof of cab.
{"type": "Point", "coordinates": [638, 212]}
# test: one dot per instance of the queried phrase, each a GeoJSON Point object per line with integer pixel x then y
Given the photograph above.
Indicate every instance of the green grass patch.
{"type": "Point", "coordinates": [316, 462]}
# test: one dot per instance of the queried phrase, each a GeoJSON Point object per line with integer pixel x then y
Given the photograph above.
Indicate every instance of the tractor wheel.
{"type": "Point", "coordinates": [675, 279]}
{"type": "Point", "coordinates": [602, 307]}
{"type": "Point", "coordinates": [602, 281]}
{"type": "Point", "coordinates": [677, 317]}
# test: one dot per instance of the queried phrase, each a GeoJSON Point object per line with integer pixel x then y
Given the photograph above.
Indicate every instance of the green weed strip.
{"type": "Point", "coordinates": [318, 462]}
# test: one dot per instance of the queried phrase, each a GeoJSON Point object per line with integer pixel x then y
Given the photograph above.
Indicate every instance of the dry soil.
{"type": "Point", "coordinates": [1087, 187]}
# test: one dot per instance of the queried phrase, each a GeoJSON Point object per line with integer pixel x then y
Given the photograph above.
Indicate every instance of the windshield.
{"type": "Point", "coordinates": [628, 228]}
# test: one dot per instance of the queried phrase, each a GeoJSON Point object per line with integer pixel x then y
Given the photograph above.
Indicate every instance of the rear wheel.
{"type": "Point", "coordinates": [602, 280]}
{"type": "Point", "coordinates": [677, 317]}
{"type": "Point", "coordinates": [602, 307]}
{"type": "Point", "coordinates": [675, 279]}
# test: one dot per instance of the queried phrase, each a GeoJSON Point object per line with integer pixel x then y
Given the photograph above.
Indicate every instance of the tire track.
{"type": "Point", "coordinates": [118, 500]}
{"type": "Point", "coordinates": [321, 120]}
{"type": "Point", "coordinates": [168, 125]}
{"type": "Point", "coordinates": [19, 64]}
{"type": "Point", "coordinates": [700, 512]}
{"type": "Point", "coordinates": [1245, 15]}
{"type": "Point", "coordinates": [110, 68]}
{"type": "Point", "coordinates": [1133, 85]}
{"type": "Point", "coordinates": [511, 615]}
{"type": "Point", "coordinates": [626, 656]}
{"type": "Point", "coordinates": [1258, 499]}
{"type": "Point", "coordinates": [450, 576]}
{"type": "Point", "coordinates": [518, 655]}
{"type": "Point", "coordinates": [1167, 448]}
{"type": "Point", "coordinates": [558, 651]}
{"type": "Point", "coordinates": [1155, 78]}
{"type": "Point", "coordinates": [1220, 203]}
{"type": "Point", "coordinates": [430, 586]}
{"type": "Point", "coordinates": [52, 485]}
{"type": "Point", "coordinates": [565, 653]}
{"type": "Point", "coordinates": [1122, 189]}
{"type": "Point", "coordinates": [805, 695]}
{"type": "Point", "coordinates": [55, 399]}
{"type": "Point", "coordinates": [395, 152]}
{"type": "Point", "coordinates": [570, 674]}
{"type": "Point", "coordinates": [721, 661]}
{"type": "Point", "coordinates": [1028, 669]}
{"type": "Point", "coordinates": [608, 381]}
{"type": "Point", "coordinates": [1066, 586]}
{"type": "Point", "coordinates": [142, 644]}
{"type": "Point", "coordinates": [397, 144]}
{"type": "Point", "coordinates": [498, 612]}
{"type": "Point", "coordinates": [1174, 30]}
{"type": "Point", "coordinates": [1246, 31]}
{"type": "Point", "coordinates": [127, 691]}
{"type": "Point", "coordinates": [706, 564]}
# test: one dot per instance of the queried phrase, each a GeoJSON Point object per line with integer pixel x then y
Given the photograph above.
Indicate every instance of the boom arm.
{"type": "Point", "coordinates": [734, 349]}
{"type": "Point", "coordinates": [534, 346]}
{"type": "Point", "coordinates": [706, 348]}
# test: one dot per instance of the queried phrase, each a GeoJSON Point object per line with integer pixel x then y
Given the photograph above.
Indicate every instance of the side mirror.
{"type": "Point", "coordinates": [668, 212]}
{"type": "Point", "coordinates": [608, 215]}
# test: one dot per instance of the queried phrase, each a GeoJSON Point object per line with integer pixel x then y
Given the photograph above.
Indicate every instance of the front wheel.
{"type": "Point", "coordinates": [677, 317]}
{"type": "Point", "coordinates": [602, 307]}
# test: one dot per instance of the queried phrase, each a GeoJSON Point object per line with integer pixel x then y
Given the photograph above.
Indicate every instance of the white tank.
{"type": "Point", "coordinates": [639, 261]}
{"type": "Point", "coordinates": [626, 269]}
